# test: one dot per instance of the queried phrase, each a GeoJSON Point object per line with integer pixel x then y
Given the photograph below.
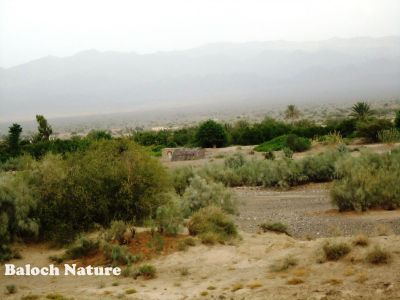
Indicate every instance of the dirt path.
{"type": "Point", "coordinates": [308, 212]}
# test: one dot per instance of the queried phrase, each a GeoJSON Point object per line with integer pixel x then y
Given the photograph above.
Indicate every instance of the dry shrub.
{"type": "Point", "coordinates": [335, 251]}
{"type": "Point", "coordinates": [378, 256]}
{"type": "Point", "coordinates": [275, 227]}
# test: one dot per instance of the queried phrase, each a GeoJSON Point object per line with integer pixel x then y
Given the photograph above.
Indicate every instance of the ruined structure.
{"type": "Point", "coordinates": [176, 154]}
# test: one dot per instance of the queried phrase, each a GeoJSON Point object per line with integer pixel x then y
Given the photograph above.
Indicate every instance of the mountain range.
{"type": "Point", "coordinates": [94, 82]}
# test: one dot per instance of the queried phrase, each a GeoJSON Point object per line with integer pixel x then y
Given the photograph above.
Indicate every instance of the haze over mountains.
{"type": "Point", "coordinates": [92, 82]}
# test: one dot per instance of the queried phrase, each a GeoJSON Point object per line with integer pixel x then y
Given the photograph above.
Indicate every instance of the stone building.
{"type": "Point", "coordinates": [177, 154]}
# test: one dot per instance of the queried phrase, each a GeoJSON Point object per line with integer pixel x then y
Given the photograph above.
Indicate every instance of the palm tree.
{"type": "Point", "coordinates": [291, 112]}
{"type": "Point", "coordinates": [361, 110]}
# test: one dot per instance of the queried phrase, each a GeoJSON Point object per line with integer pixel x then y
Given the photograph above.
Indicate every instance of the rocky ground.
{"type": "Point", "coordinates": [308, 212]}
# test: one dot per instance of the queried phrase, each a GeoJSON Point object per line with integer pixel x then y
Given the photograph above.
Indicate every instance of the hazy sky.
{"type": "Point", "coordinates": [30, 29]}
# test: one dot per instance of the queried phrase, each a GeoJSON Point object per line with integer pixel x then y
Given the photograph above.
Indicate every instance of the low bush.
{"type": "Point", "coordinates": [297, 144]}
{"type": "Point", "coordinates": [201, 193]}
{"type": "Point", "coordinates": [169, 217]}
{"type": "Point", "coordinates": [119, 255]}
{"type": "Point", "coordinates": [147, 271]}
{"type": "Point", "coordinates": [11, 289]}
{"type": "Point", "coordinates": [234, 161]}
{"type": "Point", "coordinates": [275, 227]}
{"type": "Point", "coordinates": [119, 231]}
{"type": "Point", "coordinates": [335, 251]}
{"type": "Point", "coordinates": [212, 224]}
{"type": "Point", "coordinates": [82, 247]}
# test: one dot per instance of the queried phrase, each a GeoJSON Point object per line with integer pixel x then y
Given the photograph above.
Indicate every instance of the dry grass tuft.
{"type": "Point", "coordinates": [361, 277]}
{"type": "Point", "coordinates": [295, 281]}
{"type": "Point", "coordinates": [284, 264]}
{"type": "Point", "coordinates": [237, 286]}
{"type": "Point", "coordinates": [334, 281]}
{"type": "Point", "coordinates": [361, 240]}
{"type": "Point", "coordinates": [378, 256]}
{"type": "Point", "coordinates": [335, 251]}
{"type": "Point", "coordinates": [255, 284]}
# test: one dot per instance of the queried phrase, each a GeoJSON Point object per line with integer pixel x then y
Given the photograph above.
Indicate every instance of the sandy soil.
{"type": "Point", "coordinates": [240, 271]}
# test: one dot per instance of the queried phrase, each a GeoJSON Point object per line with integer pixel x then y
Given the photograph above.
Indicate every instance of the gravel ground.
{"type": "Point", "coordinates": [308, 212]}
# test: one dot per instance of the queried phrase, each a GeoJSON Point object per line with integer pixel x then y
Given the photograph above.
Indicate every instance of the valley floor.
{"type": "Point", "coordinates": [242, 270]}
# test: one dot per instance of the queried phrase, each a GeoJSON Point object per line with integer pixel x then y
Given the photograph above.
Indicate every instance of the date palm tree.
{"type": "Point", "coordinates": [291, 112]}
{"type": "Point", "coordinates": [361, 110]}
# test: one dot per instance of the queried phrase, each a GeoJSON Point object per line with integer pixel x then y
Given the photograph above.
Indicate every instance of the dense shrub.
{"type": "Point", "coordinates": [389, 136]}
{"type": "Point", "coordinates": [201, 193]}
{"type": "Point", "coordinates": [62, 196]}
{"type": "Point", "coordinates": [269, 173]}
{"type": "Point", "coordinates": [17, 207]}
{"type": "Point", "coordinates": [321, 167]}
{"type": "Point", "coordinates": [180, 178]}
{"type": "Point", "coordinates": [297, 144]}
{"type": "Point", "coordinates": [275, 144]}
{"type": "Point", "coordinates": [397, 120]}
{"type": "Point", "coordinates": [169, 216]}
{"type": "Point", "coordinates": [370, 128]}
{"type": "Point", "coordinates": [373, 180]}
{"type": "Point", "coordinates": [212, 220]}
{"type": "Point", "coordinates": [291, 141]}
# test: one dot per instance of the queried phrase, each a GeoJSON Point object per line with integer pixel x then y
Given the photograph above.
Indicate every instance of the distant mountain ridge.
{"type": "Point", "coordinates": [256, 72]}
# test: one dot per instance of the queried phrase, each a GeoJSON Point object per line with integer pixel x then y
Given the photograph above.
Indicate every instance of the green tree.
{"type": "Point", "coordinates": [397, 120]}
{"type": "Point", "coordinates": [361, 111]}
{"type": "Point", "coordinates": [292, 113]}
{"type": "Point", "coordinates": [44, 129]}
{"type": "Point", "coordinates": [14, 139]}
{"type": "Point", "coordinates": [211, 134]}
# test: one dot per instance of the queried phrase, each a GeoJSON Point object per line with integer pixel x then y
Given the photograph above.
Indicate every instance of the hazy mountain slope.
{"type": "Point", "coordinates": [270, 72]}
